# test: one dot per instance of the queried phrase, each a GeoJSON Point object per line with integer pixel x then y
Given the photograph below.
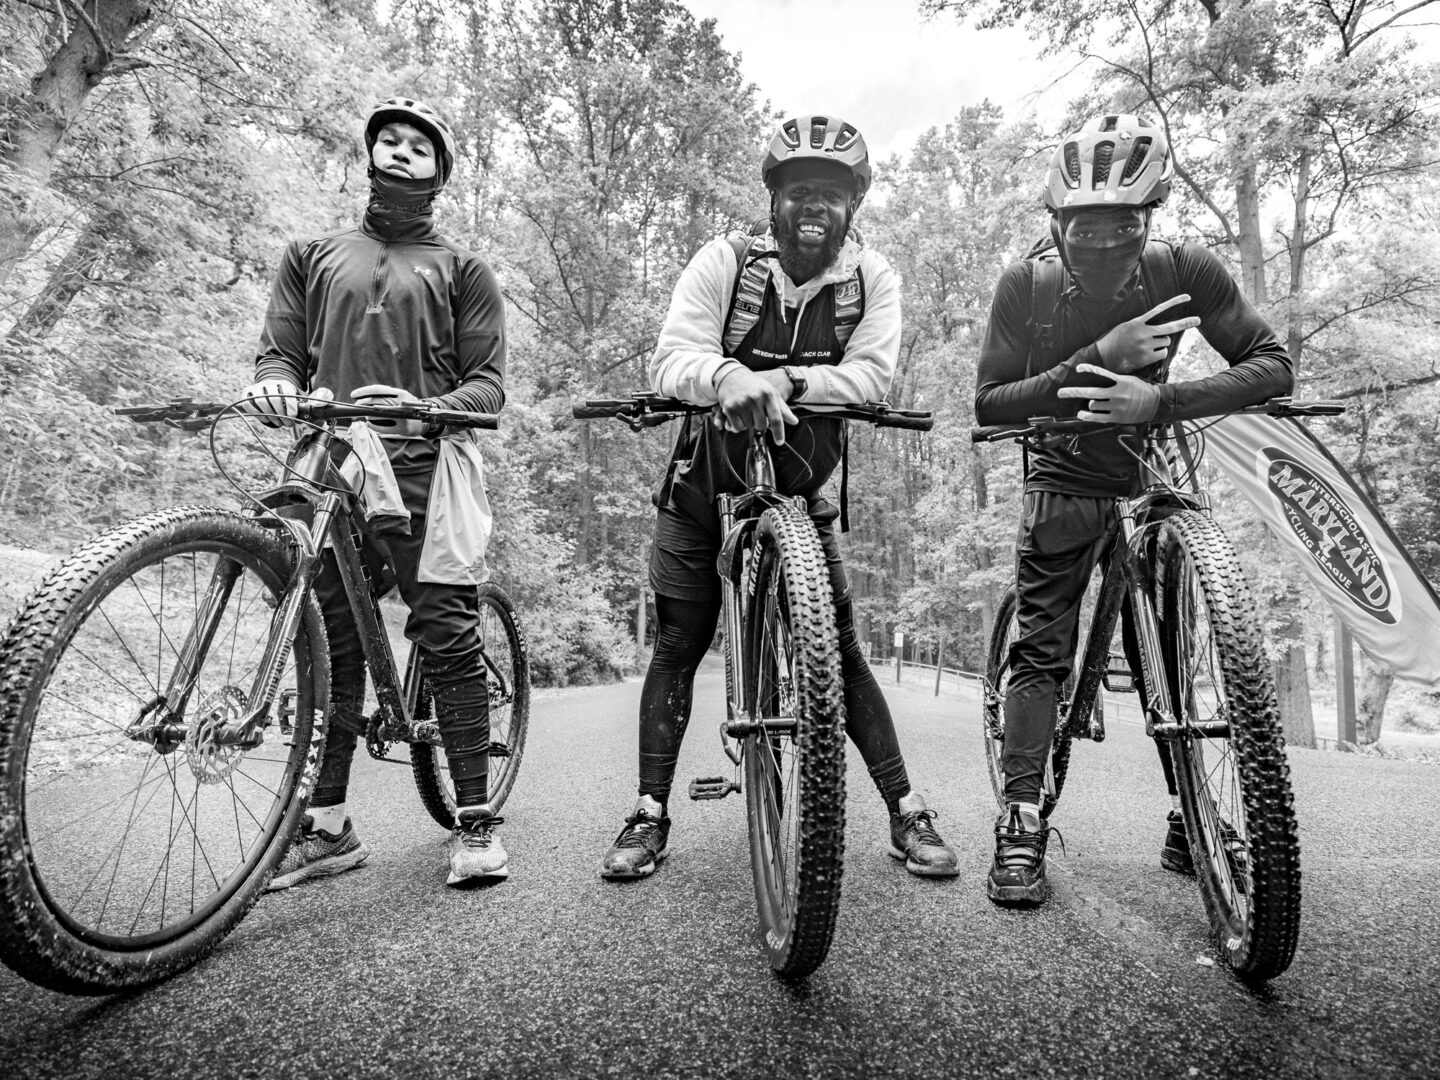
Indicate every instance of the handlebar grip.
{"type": "Point", "coordinates": [457, 418]}
{"type": "Point", "coordinates": [600, 410]}
{"type": "Point", "coordinates": [995, 431]}
{"type": "Point", "coordinates": [908, 421]}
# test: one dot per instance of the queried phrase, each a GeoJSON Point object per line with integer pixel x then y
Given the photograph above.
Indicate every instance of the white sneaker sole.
{"type": "Point", "coordinates": [501, 872]}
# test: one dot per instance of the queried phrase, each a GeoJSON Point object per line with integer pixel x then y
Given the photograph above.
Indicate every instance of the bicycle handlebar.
{"type": "Point", "coordinates": [1050, 425]}
{"type": "Point", "coordinates": [650, 410]}
{"type": "Point", "coordinates": [191, 415]}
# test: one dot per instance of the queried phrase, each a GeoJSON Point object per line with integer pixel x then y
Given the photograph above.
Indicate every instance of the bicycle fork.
{"type": "Point", "coordinates": [162, 722]}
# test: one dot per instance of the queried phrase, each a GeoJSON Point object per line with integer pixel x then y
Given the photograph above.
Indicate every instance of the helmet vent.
{"type": "Point", "coordinates": [790, 134]}
{"type": "Point", "coordinates": [1104, 152]}
{"type": "Point", "coordinates": [1138, 153]}
{"type": "Point", "coordinates": [1072, 164]}
{"type": "Point", "coordinates": [819, 125]}
{"type": "Point", "coordinates": [845, 138]}
{"type": "Point", "coordinates": [1109, 123]}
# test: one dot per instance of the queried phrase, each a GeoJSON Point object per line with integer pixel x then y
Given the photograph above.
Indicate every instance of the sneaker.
{"type": "Point", "coordinates": [641, 844]}
{"type": "Point", "coordinates": [1017, 877]}
{"type": "Point", "coordinates": [915, 840]}
{"type": "Point", "coordinates": [1175, 855]}
{"type": "Point", "coordinates": [317, 853]}
{"type": "Point", "coordinates": [474, 849]}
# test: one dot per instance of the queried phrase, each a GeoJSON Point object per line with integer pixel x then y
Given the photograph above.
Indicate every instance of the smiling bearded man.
{"type": "Point", "coordinates": [803, 314]}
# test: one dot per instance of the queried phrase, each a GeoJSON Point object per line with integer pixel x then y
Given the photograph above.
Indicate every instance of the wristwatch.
{"type": "Point", "coordinates": [798, 383]}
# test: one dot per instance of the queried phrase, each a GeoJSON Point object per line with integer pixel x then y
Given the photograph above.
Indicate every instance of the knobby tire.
{"type": "Point", "coordinates": [794, 786]}
{"type": "Point", "coordinates": [122, 863]}
{"type": "Point", "coordinates": [507, 674]}
{"type": "Point", "coordinates": [1235, 792]}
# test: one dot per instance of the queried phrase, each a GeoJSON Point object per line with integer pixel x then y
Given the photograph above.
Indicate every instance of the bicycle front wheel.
{"type": "Point", "coordinates": [794, 756]}
{"type": "Point", "coordinates": [507, 677]}
{"type": "Point", "coordinates": [992, 719]}
{"type": "Point", "coordinates": [135, 831]}
{"type": "Point", "coordinates": [1229, 754]}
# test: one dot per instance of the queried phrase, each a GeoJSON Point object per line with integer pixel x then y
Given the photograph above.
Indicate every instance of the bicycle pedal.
{"type": "Point", "coordinates": [712, 787]}
{"type": "Point", "coordinates": [1118, 678]}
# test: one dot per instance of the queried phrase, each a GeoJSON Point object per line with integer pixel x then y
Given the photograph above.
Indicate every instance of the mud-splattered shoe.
{"type": "Point", "coordinates": [913, 838]}
{"type": "Point", "coordinates": [474, 849]}
{"type": "Point", "coordinates": [317, 853]}
{"type": "Point", "coordinates": [1017, 877]}
{"type": "Point", "coordinates": [641, 845]}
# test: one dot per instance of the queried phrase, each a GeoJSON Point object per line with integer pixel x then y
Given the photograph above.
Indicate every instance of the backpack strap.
{"type": "Point", "coordinates": [1046, 281]}
{"type": "Point", "coordinates": [849, 306]}
{"type": "Point", "coordinates": [747, 293]}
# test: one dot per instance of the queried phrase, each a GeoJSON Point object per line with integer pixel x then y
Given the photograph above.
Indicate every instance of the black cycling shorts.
{"type": "Point", "coordinates": [687, 543]}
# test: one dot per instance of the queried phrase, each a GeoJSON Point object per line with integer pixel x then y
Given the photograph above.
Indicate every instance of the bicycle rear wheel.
{"type": "Point", "coordinates": [133, 835]}
{"type": "Point", "coordinates": [507, 675]}
{"type": "Point", "coordinates": [1229, 755]}
{"type": "Point", "coordinates": [992, 720]}
{"type": "Point", "coordinates": [794, 758]}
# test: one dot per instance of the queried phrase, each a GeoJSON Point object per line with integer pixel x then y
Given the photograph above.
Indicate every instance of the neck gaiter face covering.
{"type": "Point", "coordinates": [400, 208]}
{"type": "Point", "coordinates": [1104, 273]}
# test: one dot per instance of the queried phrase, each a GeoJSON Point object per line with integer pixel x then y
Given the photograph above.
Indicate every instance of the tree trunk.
{"type": "Point", "coordinates": [1249, 236]}
{"type": "Point", "coordinates": [73, 272]}
{"type": "Point", "coordinates": [585, 503]}
{"type": "Point", "coordinates": [641, 614]}
{"type": "Point", "coordinates": [1375, 682]}
{"type": "Point", "coordinates": [40, 119]}
{"type": "Point", "coordinates": [1295, 332]}
{"type": "Point", "coordinates": [1292, 689]}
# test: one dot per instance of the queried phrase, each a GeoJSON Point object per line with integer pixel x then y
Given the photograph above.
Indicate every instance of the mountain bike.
{"type": "Point", "coordinates": [163, 697]}
{"type": "Point", "coordinates": [785, 709]}
{"type": "Point", "coordinates": [1203, 680]}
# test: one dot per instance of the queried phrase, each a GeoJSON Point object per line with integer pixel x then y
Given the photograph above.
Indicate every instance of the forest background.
{"type": "Point", "coordinates": [155, 156]}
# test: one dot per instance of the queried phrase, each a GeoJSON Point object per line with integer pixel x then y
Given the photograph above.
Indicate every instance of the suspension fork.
{"type": "Point", "coordinates": [1140, 575]}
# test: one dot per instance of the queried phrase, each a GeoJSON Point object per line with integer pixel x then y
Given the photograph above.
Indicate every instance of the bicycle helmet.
{"type": "Point", "coordinates": [826, 138]}
{"type": "Point", "coordinates": [406, 110]}
{"type": "Point", "coordinates": [1115, 160]}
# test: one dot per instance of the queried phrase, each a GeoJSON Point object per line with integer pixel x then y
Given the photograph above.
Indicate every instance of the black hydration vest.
{"type": "Point", "coordinates": [707, 461]}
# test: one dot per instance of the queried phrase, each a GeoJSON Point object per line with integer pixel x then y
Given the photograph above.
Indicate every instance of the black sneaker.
{"type": "Point", "coordinates": [1017, 877]}
{"type": "Point", "coordinates": [641, 845]}
{"type": "Point", "coordinates": [1175, 855]}
{"type": "Point", "coordinates": [913, 838]}
{"type": "Point", "coordinates": [317, 853]}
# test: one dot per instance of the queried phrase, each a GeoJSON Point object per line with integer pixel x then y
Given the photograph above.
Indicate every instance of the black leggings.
{"type": "Point", "coordinates": [444, 624]}
{"type": "Point", "coordinates": [683, 634]}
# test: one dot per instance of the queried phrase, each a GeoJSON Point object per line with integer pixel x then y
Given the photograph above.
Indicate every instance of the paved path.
{"type": "Point", "coordinates": [385, 972]}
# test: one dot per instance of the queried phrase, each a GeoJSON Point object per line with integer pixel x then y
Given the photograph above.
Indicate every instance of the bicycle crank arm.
{"type": "Point", "coordinates": [712, 787]}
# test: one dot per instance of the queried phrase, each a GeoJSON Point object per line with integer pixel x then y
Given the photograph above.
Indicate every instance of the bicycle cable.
{"type": "Point", "coordinates": [247, 498]}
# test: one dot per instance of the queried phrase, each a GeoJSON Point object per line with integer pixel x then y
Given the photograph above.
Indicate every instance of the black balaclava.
{"type": "Point", "coordinates": [1104, 276]}
{"type": "Point", "coordinates": [401, 208]}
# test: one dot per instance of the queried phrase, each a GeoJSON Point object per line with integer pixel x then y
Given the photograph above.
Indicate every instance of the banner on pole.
{"type": "Point", "coordinates": [1339, 537]}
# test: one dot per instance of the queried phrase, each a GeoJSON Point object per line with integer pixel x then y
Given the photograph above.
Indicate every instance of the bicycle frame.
{"type": "Point", "coordinates": [1127, 574]}
{"type": "Point", "coordinates": [309, 506]}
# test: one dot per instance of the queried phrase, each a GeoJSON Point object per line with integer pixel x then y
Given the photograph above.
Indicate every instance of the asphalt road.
{"type": "Point", "coordinates": [386, 972]}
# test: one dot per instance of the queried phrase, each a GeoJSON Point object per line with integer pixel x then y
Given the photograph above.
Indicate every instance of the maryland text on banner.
{"type": "Point", "coordinates": [1314, 507]}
